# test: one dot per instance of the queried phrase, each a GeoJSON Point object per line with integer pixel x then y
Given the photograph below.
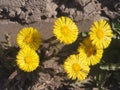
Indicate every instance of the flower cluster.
{"type": "Point", "coordinates": [28, 39]}
{"type": "Point", "coordinates": [77, 66]}
{"type": "Point", "coordinates": [90, 51]}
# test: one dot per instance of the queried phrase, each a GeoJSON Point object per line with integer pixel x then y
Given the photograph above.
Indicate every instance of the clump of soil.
{"type": "Point", "coordinates": [29, 11]}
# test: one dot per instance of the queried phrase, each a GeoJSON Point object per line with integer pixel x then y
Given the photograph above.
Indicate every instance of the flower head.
{"type": "Point", "coordinates": [65, 30]}
{"type": "Point", "coordinates": [101, 34]}
{"type": "Point", "coordinates": [76, 68]}
{"type": "Point", "coordinates": [27, 59]}
{"type": "Point", "coordinates": [89, 52]}
{"type": "Point", "coordinates": [28, 37]}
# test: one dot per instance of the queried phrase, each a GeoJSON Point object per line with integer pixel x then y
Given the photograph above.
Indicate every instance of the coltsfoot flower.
{"type": "Point", "coordinates": [27, 59]}
{"type": "Point", "coordinates": [76, 68]}
{"type": "Point", "coordinates": [89, 52]}
{"type": "Point", "coordinates": [65, 30]}
{"type": "Point", "coordinates": [101, 34]}
{"type": "Point", "coordinates": [29, 37]}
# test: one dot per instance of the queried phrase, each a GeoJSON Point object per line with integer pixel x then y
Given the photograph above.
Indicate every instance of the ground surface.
{"type": "Point", "coordinates": [41, 14]}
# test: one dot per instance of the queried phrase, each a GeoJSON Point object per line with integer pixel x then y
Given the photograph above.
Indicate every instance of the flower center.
{"type": "Point", "coordinates": [27, 60]}
{"type": "Point", "coordinates": [65, 30]}
{"type": "Point", "coordinates": [28, 39]}
{"type": "Point", "coordinates": [76, 67]}
{"type": "Point", "coordinates": [91, 51]}
{"type": "Point", "coordinates": [100, 34]}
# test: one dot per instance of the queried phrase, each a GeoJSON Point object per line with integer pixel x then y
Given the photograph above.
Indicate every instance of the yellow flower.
{"type": "Point", "coordinates": [65, 30]}
{"type": "Point", "coordinates": [89, 52]}
{"type": "Point", "coordinates": [101, 34]}
{"type": "Point", "coordinates": [29, 37]}
{"type": "Point", "coordinates": [76, 68]}
{"type": "Point", "coordinates": [27, 59]}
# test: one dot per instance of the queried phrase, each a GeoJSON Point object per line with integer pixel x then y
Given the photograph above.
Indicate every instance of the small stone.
{"type": "Point", "coordinates": [23, 2]}
{"type": "Point", "coordinates": [5, 9]}
{"type": "Point", "coordinates": [62, 7]}
{"type": "Point", "coordinates": [89, 8]}
{"type": "Point", "coordinates": [37, 14]}
{"type": "Point", "coordinates": [66, 10]}
{"type": "Point", "coordinates": [22, 15]}
{"type": "Point", "coordinates": [1, 10]}
{"type": "Point", "coordinates": [12, 13]}
{"type": "Point", "coordinates": [72, 11]}
{"type": "Point", "coordinates": [51, 10]}
{"type": "Point", "coordinates": [18, 11]}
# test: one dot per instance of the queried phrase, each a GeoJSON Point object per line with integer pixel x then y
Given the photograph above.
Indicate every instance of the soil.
{"type": "Point", "coordinates": [41, 14]}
